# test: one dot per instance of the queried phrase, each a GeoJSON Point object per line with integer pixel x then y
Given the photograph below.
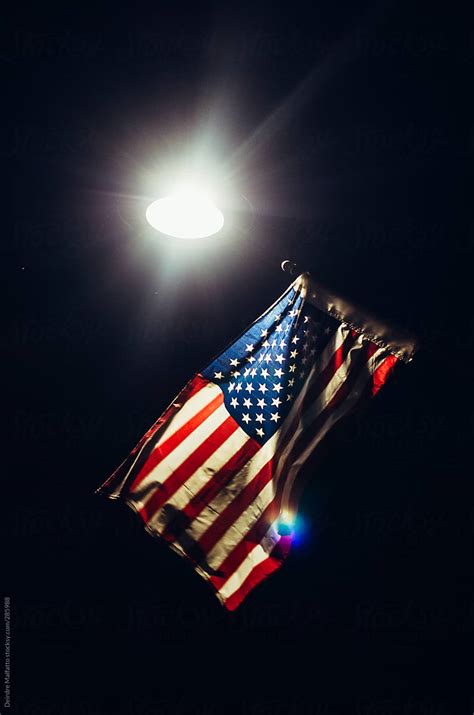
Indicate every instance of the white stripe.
{"type": "Point", "coordinates": [146, 488]}
{"type": "Point", "coordinates": [231, 490]}
{"type": "Point", "coordinates": [241, 526]}
{"type": "Point", "coordinates": [190, 408]}
{"type": "Point", "coordinates": [258, 555]}
{"type": "Point", "coordinates": [201, 476]}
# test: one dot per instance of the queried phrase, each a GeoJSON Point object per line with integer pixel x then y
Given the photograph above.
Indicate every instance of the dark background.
{"type": "Point", "coordinates": [344, 127]}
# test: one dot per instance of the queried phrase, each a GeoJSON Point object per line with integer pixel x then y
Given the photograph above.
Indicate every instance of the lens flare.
{"type": "Point", "coordinates": [286, 524]}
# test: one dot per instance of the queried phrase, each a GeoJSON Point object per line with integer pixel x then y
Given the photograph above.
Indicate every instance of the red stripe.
{"type": "Point", "coordinates": [188, 467]}
{"type": "Point", "coordinates": [335, 362]}
{"type": "Point", "coordinates": [382, 373]}
{"type": "Point", "coordinates": [163, 450]}
{"type": "Point", "coordinates": [259, 573]}
{"type": "Point", "coordinates": [205, 495]}
{"type": "Point", "coordinates": [190, 389]}
{"type": "Point", "coordinates": [253, 537]}
{"type": "Point", "coordinates": [371, 348]}
{"type": "Point", "coordinates": [236, 507]}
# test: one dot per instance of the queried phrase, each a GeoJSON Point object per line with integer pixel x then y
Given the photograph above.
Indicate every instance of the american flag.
{"type": "Point", "coordinates": [215, 475]}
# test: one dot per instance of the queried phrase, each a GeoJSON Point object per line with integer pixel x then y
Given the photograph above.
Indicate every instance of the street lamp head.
{"type": "Point", "coordinates": [189, 213]}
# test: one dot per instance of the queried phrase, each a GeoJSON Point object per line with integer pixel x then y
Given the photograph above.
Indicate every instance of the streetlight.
{"type": "Point", "coordinates": [189, 212]}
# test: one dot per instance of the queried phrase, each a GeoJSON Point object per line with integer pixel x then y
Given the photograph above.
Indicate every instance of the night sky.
{"type": "Point", "coordinates": [341, 129]}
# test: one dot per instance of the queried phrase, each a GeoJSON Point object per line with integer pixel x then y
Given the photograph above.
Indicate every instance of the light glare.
{"type": "Point", "coordinates": [187, 213]}
{"type": "Point", "coordinates": [286, 523]}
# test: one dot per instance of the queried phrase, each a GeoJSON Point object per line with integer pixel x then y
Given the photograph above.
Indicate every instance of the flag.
{"type": "Point", "coordinates": [215, 475]}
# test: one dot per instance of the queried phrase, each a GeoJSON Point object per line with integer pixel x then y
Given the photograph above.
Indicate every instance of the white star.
{"type": "Point", "coordinates": [274, 342]}
{"type": "Point", "coordinates": [231, 386]}
{"type": "Point", "coordinates": [253, 372]}
{"type": "Point", "coordinates": [295, 340]}
{"type": "Point", "coordinates": [264, 373]}
{"type": "Point", "coordinates": [294, 353]}
{"type": "Point", "coordinates": [238, 387]}
{"type": "Point", "coordinates": [279, 358]}
{"type": "Point", "coordinates": [289, 397]}
{"type": "Point", "coordinates": [247, 402]}
{"type": "Point", "coordinates": [301, 374]}
{"type": "Point", "coordinates": [262, 388]}
{"type": "Point", "coordinates": [278, 372]}
{"type": "Point", "coordinates": [234, 362]}
{"type": "Point", "coordinates": [274, 417]}
{"type": "Point", "coordinates": [260, 357]}
{"type": "Point", "coordinates": [236, 373]}
{"type": "Point", "coordinates": [264, 333]}
{"type": "Point", "coordinates": [279, 329]}
{"type": "Point", "coordinates": [293, 313]}
{"type": "Point", "coordinates": [327, 331]}
{"type": "Point", "coordinates": [218, 376]}
{"type": "Point", "coordinates": [276, 402]}
{"type": "Point", "coordinates": [266, 344]}
{"type": "Point", "coordinates": [292, 368]}
{"type": "Point", "coordinates": [268, 358]}
{"type": "Point", "coordinates": [277, 387]}
{"type": "Point", "coordinates": [277, 318]}
{"type": "Point", "coordinates": [246, 418]}
{"type": "Point", "coordinates": [306, 318]}
{"type": "Point", "coordinates": [249, 387]}
{"type": "Point", "coordinates": [260, 432]}
{"type": "Point", "coordinates": [261, 403]}
{"type": "Point", "coordinates": [304, 360]}
{"type": "Point", "coordinates": [291, 382]}
{"type": "Point", "coordinates": [251, 359]}
{"type": "Point", "coordinates": [260, 418]}
{"type": "Point", "coordinates": [234, 402]}
{"type": "Point", "coordinates": [282, 344]}
{"type": "Point", "coordinates": [246, 371]}
{"type": "Point", "coordinates": [249, 348]}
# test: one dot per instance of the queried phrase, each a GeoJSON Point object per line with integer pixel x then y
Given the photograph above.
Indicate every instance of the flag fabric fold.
{"type": "Point", "coordinates": [215, 476]}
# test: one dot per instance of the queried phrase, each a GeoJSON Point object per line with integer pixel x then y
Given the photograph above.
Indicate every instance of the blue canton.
{"type": "Point", "coordinates": [263, 371]}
